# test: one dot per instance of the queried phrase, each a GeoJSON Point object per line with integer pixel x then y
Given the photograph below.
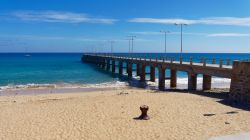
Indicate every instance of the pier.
{"type": "Point", "coordinates": [239, 73]}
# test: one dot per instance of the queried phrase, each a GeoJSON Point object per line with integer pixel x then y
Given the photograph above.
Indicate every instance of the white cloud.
{"type": "Point", "coordinates": [160, 33]}
{"type": "Point", "coordinates": [233, 21]}
{"type": "Point", "coordinates": [57, 16]}
{"type": "Point", "coordinates": [193, 33]}
{"type": "Point", "coordinates": [146, 33]}
{"type": "Point", "coordinates": [163, 21]}
{"type": "Point", "coordinates": [228, 35]}
{"type": "Point", "coordinates": [61, 38]}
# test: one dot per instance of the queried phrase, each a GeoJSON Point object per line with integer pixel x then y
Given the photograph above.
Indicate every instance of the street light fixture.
{"type": "Point", "coordinates": [165, 33]}
{"type": "Point", "coordinates": [181, 24]}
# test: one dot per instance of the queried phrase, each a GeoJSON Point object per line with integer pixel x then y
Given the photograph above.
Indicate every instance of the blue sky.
{"type": "Point", "coordinates": [89, 25]}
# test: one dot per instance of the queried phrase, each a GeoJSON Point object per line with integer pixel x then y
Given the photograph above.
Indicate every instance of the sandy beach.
{"type": "Point", "coordinates": [109, 114]}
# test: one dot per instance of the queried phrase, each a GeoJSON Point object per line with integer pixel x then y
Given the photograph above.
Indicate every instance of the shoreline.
{"type": "Point", "coordinates": [217, 83]}
{"type": "Point", "coordinates": [65, 90]}
{"type": "Point", "coordinates": [61, 90]}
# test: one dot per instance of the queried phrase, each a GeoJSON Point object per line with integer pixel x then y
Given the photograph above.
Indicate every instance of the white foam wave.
{"type": "Point", "coordinates": [182, 83]}
{"type": "Point", "coordinates": [63, 85]}
{"type": "Point", "coordinates": [10, 86]}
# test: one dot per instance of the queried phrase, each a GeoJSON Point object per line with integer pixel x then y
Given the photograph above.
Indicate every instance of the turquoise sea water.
{"type": "Point", "coordinates": [44, 68]}
{"type": "Point", "coordinates": [57, 68]}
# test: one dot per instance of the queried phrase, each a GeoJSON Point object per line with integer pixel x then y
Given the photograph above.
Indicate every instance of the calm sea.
{"type": "Point", "coordinates": [67, 68]}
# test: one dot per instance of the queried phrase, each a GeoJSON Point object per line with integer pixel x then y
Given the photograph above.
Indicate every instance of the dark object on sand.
{"type": "Point", "coordinates": [232, 112]}
{"type": "Point", "coordinates": [123, 93]}
{"type": "Point", "coordinates": [144, 110]}
{"type": "Point", "coordinates": [227, 123]}
{"type": "Point", "coordinates": [208, 115]}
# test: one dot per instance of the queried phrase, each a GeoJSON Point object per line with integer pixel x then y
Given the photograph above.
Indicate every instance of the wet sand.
{"type": "Point", "coordinates": [108, 114]}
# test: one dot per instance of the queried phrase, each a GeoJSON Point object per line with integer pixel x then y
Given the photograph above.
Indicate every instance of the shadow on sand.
{"type": "Point", "coordinates": [221, 94]}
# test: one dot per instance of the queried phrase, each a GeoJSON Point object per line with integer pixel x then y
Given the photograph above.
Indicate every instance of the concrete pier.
{"type": "Point", "coordinates": [129, 70]}
{"type": "Point", "coordinates": [120, 67]}
{"type": "Point", "coordinates": [173, 78]}
{"type": "Point", "coordinates": [240, 82]}
{"type": "Point", "coordinates": [207, 82]}
{"type": "Point", "coordinates": [152, 74]}
{"type": "Point", "coordinates": [103, 64]}
{"type": "Point", "coordinates": [127, 67]}
{"type": "Point", "coordinates": [113, 66]}
{"type": "Point", "coordinates": [107, 64]}
{"type": "Point", "coordinates": [161, 84]}
{"type": "Point", "coordinates": [239, 73]}
{"type": "Point", "coordinates": [192, 81]}
{"type": "Point", "coordinates": [192, 68]}
{"type": "Point", "coordinates": [138, 69]}
{"type": "Point", "coordinates": [142, 72]}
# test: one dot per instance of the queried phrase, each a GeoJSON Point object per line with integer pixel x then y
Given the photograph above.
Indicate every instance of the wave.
{"type": "Point", "coordinates": [182, 83]}
{"type": "Point", "coordinates": [63, 85]}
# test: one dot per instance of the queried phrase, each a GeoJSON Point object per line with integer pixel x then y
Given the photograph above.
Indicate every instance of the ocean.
{"type": "Point", "coordinates": [18, 69]}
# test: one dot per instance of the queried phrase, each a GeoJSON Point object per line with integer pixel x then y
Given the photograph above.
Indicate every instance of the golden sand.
{"type": "Point", "coordinates": [109, 115]}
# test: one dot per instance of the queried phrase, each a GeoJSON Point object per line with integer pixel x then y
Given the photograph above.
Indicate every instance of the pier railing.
{"type": "Point", "coordinates": [215, 62]}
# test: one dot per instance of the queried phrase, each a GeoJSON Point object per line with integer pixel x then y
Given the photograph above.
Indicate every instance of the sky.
{"type": "Point", "coordinates": [213, 26]}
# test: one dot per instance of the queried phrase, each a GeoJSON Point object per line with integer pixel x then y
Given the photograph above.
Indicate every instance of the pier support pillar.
{"type": "Point", "coordinates": [108, 65]}
{"type": "Point", "coordinates": [152, 74]}
{"type": "Point", "coordinates": [113, 66]}
{"type": "Point", "coordinates": [240, 81]}
{"type": "Point", "coordinates": [120, 67]}
{"type": "Point", "coordinates": [192, 81]}
{"type": "Point", "coordinates": [127, 63]}
{"type": "Point", "coordinates": [173, 78]}
{"type": "Point", "coordinates": [207, 81]}
{"type": "Point", "coordinates": [103, 64]}
{"type": "Point", "coordinates": [99, 64]}
{"type": "Point", "coordinates": [138, 68]}
{"type": "Point", "coordinates": [143, 72]}
{"type": "Point", "coordinates": [162, 74]}
{"type": "Point", "coordinates": [129, 70]}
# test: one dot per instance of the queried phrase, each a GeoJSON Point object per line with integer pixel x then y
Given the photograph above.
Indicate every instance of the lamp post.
{"type": "Point", "coordinates": [165, 33]}
{"type": "Point", "coordinates": [181, 24]}
{"type": "Point", "coordinates": [129, 45]}
{"type": "Point", "coordinates": [132, 43]}
{"type": "Point", "coordinates": [111, 46]}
